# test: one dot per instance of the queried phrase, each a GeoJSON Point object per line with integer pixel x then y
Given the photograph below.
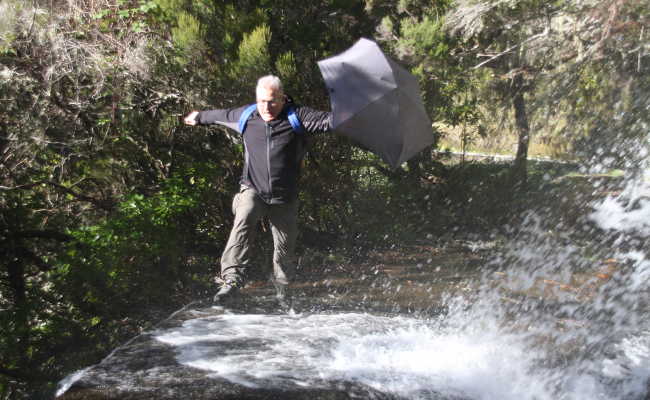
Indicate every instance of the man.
{"type": "Point", "coordinates": [268, 186]}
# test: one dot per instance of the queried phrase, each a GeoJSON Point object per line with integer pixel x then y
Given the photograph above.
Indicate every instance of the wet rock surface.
{"type": "Point", "coordinates": [149, 368]}
{"type": "Point", "coordinates": [419, 322]}
{"type": "Point", "coordinates": [254, 350]}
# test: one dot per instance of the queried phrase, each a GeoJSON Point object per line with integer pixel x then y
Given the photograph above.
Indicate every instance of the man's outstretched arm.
{"type": "Point", "coordinates": [226, 117]}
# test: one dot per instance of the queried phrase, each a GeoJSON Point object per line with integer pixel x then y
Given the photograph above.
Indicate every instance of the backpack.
{"type": "Point", "coordinates": [293, 120]}
{"type": "Point", "coordinates": [291, 114]}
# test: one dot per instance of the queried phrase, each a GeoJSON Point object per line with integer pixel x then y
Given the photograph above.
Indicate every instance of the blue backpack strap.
{"type": "Point", "coordinates": [291, 115]}
{"type": "Point", "coordinates": [294, 120]}
{"type": "Point", "coordinates": [243, 118]}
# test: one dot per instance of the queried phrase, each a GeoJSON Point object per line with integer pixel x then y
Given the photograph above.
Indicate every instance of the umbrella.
{"type": "Point", "coordinates": [376, 103]}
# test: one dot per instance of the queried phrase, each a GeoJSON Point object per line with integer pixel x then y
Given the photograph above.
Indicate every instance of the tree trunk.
{"type": "Point", "coordinates": [519, 169]}
{"type": "Point", "coordinates": [16, 278]}
{"type": "Point", "coordinates": [20, 334]}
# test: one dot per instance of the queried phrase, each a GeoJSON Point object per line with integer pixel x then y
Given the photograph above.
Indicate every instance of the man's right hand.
{"type": "Point", "coordinates": [190, 119]}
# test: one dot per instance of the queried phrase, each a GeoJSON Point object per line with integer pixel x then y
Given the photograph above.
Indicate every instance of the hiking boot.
{"type": "Point", "coordinates": [228, 291]}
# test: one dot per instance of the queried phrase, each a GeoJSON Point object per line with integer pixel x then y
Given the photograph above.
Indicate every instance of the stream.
{"type": "Point", "coordinates": [545, 315]}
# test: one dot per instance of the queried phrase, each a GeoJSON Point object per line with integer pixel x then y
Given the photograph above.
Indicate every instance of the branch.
{"type": "Point", "coordinates": [19, 187]}
{"type": "Point", "coordinates": [43, 234]}
{"type": "Point", "coordinates": [508, 50]}
{"type": "Point", "coordinates": [103, 204]}
{"type": "Point", "coordinates": [25, 253]}
{"type": "Point", "coordinates": [12, 373]}
{"type": "Point", "coordinates": [82, 197]}
{"type": "Point", "coordinates": [22, 375]}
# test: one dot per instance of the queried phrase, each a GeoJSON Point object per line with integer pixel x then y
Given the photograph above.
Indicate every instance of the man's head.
{"type": "Point", "coordinates": [270, 97]}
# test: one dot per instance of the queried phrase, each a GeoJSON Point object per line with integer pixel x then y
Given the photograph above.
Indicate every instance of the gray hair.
{"type": "Point", "coordinates": [270, 82]}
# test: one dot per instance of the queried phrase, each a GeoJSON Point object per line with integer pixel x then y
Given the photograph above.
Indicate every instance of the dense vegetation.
{"type": "Point", "coordinates": [112, 212]}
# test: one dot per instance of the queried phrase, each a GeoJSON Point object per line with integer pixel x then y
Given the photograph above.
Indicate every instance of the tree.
{"type": "Point", "coordinates": [73, 142]}
{"type": "Point", "coordinates": [549, 53]}
{"type": "Point", "coordinates": [109, 208]}
{"type": "Point", "coordinates": [515, 40]}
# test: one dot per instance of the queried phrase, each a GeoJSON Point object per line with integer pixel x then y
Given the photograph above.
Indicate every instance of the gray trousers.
{"type": "Point", "coordinates": [249, 209]}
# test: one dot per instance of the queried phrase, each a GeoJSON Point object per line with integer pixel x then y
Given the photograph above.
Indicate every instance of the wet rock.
{"type": "Point", "coordinates": [207, 352]}
{"type": "Point", "coordinates": [149, 368]}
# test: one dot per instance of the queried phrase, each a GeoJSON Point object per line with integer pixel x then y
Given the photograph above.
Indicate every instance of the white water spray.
{"type": "Point", "coordinates": [585, 340]}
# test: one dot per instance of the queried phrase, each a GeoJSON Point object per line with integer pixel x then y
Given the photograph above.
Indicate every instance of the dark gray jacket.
{"type": "Point", "coordinates": [273, 150]}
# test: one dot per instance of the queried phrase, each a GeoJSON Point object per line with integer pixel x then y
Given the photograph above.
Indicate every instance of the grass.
{"type": "Point", "coordinates": [505, 143]}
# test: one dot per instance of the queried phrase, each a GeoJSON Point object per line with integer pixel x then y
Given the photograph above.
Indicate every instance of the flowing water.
{"type": "Point", "coordinates": [552, 315]}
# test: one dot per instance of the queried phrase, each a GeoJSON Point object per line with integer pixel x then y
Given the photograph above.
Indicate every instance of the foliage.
{"type": "Point", "coordinates": [253, 57]}
{"type": "Point", "coordinates": [569, 57]}
{"type": "Point", "coordinates": [112, 212]}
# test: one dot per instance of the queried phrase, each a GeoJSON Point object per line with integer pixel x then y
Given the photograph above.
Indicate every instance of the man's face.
{"type": "Point", "coordinates": [269, 103]}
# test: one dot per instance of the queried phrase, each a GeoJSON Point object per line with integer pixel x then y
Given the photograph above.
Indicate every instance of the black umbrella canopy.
{"type": "Point", "coordinates": [376, 103]}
